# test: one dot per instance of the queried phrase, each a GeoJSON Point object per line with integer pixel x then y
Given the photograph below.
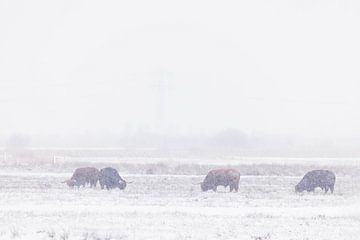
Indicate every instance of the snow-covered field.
{"type": "Point", "coordinates": [39, 206]}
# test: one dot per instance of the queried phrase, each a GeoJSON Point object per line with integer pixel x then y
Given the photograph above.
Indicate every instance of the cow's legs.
{"type": "Point", "coordinates": [332, 188]}
{"type": "Point", "coordinates": [231, 188]}
{"type": "Point", "coordinates": [214, 188]}
{"type": "Point", "coordinates": [326, 189]}
{"type": "Point", "coordinates": [236, 187]}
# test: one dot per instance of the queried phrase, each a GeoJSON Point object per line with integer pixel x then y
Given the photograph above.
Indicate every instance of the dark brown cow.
{"type": "Point", "coordinates": [323, 179]}
{"type": "Point", "coordinates": [82, 176]}
{"type": "Point", "coordinates": [223, 177]}
{"type": "Point", "coordinates": [110, 178]}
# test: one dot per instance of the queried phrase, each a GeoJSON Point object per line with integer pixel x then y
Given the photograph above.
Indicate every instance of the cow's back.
{"type": "Point", "coordinates": [320, 177]}
{"type": "Point", "coordinates": [110, 173]}
{"type": "Point", "coordinates": [225, 176]}
{"type": "Point", "coordinates": [86, 172]}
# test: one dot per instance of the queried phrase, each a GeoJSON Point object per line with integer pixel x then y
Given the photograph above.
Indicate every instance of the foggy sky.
{"type": "Point", "coordinates": [287, 67]}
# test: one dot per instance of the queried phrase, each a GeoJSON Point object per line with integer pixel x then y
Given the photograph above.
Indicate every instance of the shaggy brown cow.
{"type": "Point", "coordinates": [323, 179]}
{"type": "Point", "coordinates": [82, 176]}
{"type": "Point", "coordinates": [110, 178]}
{"type": "Point", "coordinates": [223, 177]}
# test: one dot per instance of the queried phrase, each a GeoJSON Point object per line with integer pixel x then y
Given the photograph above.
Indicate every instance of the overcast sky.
{"type": "Point", "coordinates": [287, 67]}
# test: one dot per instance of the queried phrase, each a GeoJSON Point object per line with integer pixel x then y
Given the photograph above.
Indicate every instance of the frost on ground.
{"type": "Point", "coordinates": [39, 206]}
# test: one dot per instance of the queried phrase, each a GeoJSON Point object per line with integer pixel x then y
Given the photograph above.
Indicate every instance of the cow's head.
{"type": "Point", "coordinates": [70, 182]}
{"type": "Point", "coordinates": [122, 184]}
{"type": "Point", "coordinates": [301, 186]}
{"type": "Point", "coordinates": [205, 186]}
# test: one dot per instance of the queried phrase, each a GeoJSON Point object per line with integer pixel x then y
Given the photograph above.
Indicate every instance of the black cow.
{"type": "Point", "coordinates": [223, 177]}
{"type": "Point", "coordinates": [110, 178]}
{"type": "Point", "coordinates": [82, 176]}
{"type": "Point", "coordinates": [323, 179]}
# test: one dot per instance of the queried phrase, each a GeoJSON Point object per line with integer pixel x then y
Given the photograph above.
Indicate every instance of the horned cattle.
{"type": "Point", "coordinates": [323, 179]}
{"type": "Point", "coordinates": [83, 176]}
{"type": "Point", "coordinates": [110, 178]}
{"type": "Point", "coordinates": [221, 177]}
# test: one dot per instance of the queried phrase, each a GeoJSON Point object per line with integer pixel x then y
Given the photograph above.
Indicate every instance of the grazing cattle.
{"type": "Point", "coordinates": [223, 177]}
{"type": "Point", "coordinates": [110, 178]}
{"type": "Point", "coordinates": [323, 179]}
{"type": "Point", "coordinates": [82, 176]}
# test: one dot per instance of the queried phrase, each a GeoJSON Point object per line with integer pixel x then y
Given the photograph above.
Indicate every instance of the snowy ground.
{"type": "Point", "coordinates": [39, 206]}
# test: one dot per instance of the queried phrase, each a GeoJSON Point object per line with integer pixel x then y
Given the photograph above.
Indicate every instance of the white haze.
{"type": "Point", "coordinates": [180, 67]}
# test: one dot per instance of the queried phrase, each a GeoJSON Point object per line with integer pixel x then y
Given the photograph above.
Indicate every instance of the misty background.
{"type": "Point", "coordinates": [264, 78]}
